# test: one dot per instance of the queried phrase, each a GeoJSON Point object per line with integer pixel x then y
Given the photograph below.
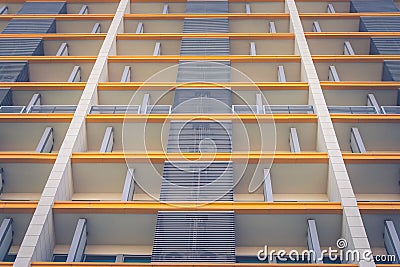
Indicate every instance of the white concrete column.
{"type": "Point", "coordinates": [339, 188]}
{"type": "Point", "coordinates": [39, 239]}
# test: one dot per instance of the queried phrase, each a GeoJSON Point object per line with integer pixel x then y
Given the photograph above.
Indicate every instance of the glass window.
{"type": "Point", "coordinates": [137, 259]}
{"type": "Point", "coordinates": [99, 258]}
{"type": "Point", "coordinates": [60, 257]}
{"type": "Point", "coordinates": [249, 259]}
{"type": "Point", "coordinates": [10, 258]}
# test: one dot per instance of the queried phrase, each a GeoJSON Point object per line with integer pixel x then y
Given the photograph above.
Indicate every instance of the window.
{"type": "Point", "coordinates": [60, 257]}
{"type": "Point", "coordinates": [10, 258]}
{"type": "Point", "coordinates": [137, 259]}
{"type": "Point", "coordinates": [99, 258]}
{"type": "Point", "coordinates": [249, 259]}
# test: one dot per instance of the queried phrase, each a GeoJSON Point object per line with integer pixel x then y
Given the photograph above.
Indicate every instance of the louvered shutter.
{"type": "Point", "coordinates": [44, 8]}
{"type": "Point", "coordinates": [14, 72]}
{"type": "Point", "coordinates": [372, 6]}
{"type": "Point", "coordinates": [16, 26]}
{"type": "Point", "coordinates": [21, 47]}
{"type": "Point", "coordinates": [379, 24]}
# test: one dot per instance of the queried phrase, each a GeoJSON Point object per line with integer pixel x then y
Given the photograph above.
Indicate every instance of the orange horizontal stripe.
{"type": "Point", "coordinates": [174, 264]}
{"type": "Point", "coordinates": [379, 207]}
{"type": "Point", "coordinates": [36, 117]}
{"type": "Point", "coordinates": [58, 36]}
{"type": "Point", "coordinates": [325, 35]}
{"type": "Point", "coordinates": [371, 158]}
{"type": "Point", "coordinates": [360, 85]}
{"type": "Point", "coordinates": [131, 86]}
{"type": "Point", "coordinates": [39, 85]}
{"type": "Point", "coordinates": [180, 16]}
{"type": "Point", "coordinates": [347, 15]}
{"type": "Point", "coordinates": [184, 1]}
{"type": "Point", "coordinates": [363, 118]}
{"type": "Point", "coordinates": [179, 36]}
{"type": "Point", "coordinates": [59, 17]}
{"type": "Point", "coordinates": [356, 58]}
{"type": "Point", "coordinates": [175, 59]}
{"type": "Point", "coordinates": [237, 207]}
{"type": "Point", "coordinates": [68, 1]}
{"type": "Point", "coordinates": [157, 118]}
{"type": "Point", "coordinates": [51, 59]}
{"type": "Point", "coordinates": [27, 157]}
{"type": "Point", "coordinates": [160, 157]}
{"type": "Point", "coordinates": [51, 86]}
{"type": "Point", "coordinates": [18, 206]}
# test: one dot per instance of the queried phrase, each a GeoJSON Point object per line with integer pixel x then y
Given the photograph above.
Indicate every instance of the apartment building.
{"type": "Point", "coordinates": [199, 133]}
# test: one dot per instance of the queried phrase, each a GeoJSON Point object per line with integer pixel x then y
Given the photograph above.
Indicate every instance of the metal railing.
{"type": "Point", "coordinates": [390, 109]}
{"type": "Point", "coordinates": [12, 109]}
{"type": "Point", "coordinates": [158, 109]}
{"type": "Point", "coordinates": [245, 109]}
{"type": "Point", "coordinates": [352, 110]}
{"type": "Point", "coordinates": [53, 109]}
{"type": "Point", "coordinates": [115, 109]}
{"type": "Point", "coordinates": [288, 109]}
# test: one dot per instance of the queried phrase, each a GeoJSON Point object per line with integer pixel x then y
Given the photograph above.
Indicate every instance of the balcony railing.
{"type": "Point", "coordinates": [12, 109]}
{"type": "Point", "coordinates": [390, 109]}
{"type": "Point", "coordinates": [158, 109]}
{"type": "Point", "coordinates": [112, 109]}
{"type": "Point", "coordinates": [352, 110]}
{"type": "Point", "coordinates": [274, 109]}
{"type": "Point", "coordinates": [52, 109]}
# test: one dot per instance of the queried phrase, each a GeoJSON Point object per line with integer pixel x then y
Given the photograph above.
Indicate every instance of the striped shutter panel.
{"type": "Point", "coordinates": [200, 136]}
{"type": "Point", "coordinates": [385, 46]}
{"type": "Point", "coordinates": [194, 237]}
{"type": "Point", "coordinates": [44, 8]}
{"type": "Point", "coordinates": [14, 72]}
{"type": "Point", "coordinates": [379, 24]}
{"type": "Point", "coordinates": [197, 181]}
{"type": "Point", "coordinates": [207, 7]}
{"type": "Point", "coordinates": [203, 71]}
{"type": "Point", "coordinates": [16, 26]}
{"type": "Point", "coordinates": [6, 97]}
{"type": "Point", "coordinates": [205, 47]}
{"type": "Point", "coordinates": [215, 25]}
{"type": "Point", "coordinates": [357, 6]}
{"type": "Point", "coordinates": [391, 70]}
{"type": "Point", "coordinates": [202, 101]}
{"type": "Point", "coordinates": [21, 47]}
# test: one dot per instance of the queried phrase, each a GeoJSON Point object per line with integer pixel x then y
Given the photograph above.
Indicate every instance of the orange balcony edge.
{"type": "Point", "coordinates": [160, 157]}
{"type": "Point", "coordinates": [237, 207]}
{"type": "Point", "coordinates": [360, 118]}
{"type": "Point", "coordinates": [18, 206]}
{"type": "Point", "coordinates": [68, 1]}
{"type": "Point", "coordinates": [51, 86]}
{"type": "Point", "coordinates": [325, 35]}
{"type": "Point", "coordinates": [176, 58]}
{"type": "Point", "coordinates": [58, 36]}
{"type": "Point", "coordinates": [130, 86]}
{"type": "Point", "coordinates": [33, 117]}
{"type": "Point", "coordinates": [51, 59]}
{"type": "Point", "coordinates": [59, 17]}
{"type": "Point", "coordinates": [379, 207]}
{"type": "Point", "coordinates": [181, 16]}
{"type": "Point", "coordinates": [157, 118]}
{"type": "Point", "coordinates": [371, 158]}
{"type": "Point", "coordinates": [346, 15]}
{"type": "Point", "coordinates": [360, 85]}
{"type": "Point", "coordinates": [179, 36]}
{"type": "Point", "coordinates": [356, 58]}
{"type": "Point", "coordinates": [27, 157]}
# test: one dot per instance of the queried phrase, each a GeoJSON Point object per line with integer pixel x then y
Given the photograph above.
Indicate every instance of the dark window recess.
{"type": "Point", "coordinates": [6, 97]}
{"type": "Point", "coordinates": [10, 258]}
{"type": "Point", "coordinates": [99, 258]}
{"type": "Point", "coordinates": [60, 257]}
{"type": "Point", "coordinates": [249, 259]}
{"type": "Point", "coordinates": [137, 259]}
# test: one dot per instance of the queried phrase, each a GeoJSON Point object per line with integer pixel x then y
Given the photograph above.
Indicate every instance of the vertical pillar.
{"type": "Point", "coordinates": [78, 244]}
{"type": "Point", "coordinates": [46, 142]}
{"type": "Point", "coordinates": [129, 186]}
{"type": "Point", "coordinates": [108, 141]}
{"type": "Point", "coordinates": [268, 196]}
